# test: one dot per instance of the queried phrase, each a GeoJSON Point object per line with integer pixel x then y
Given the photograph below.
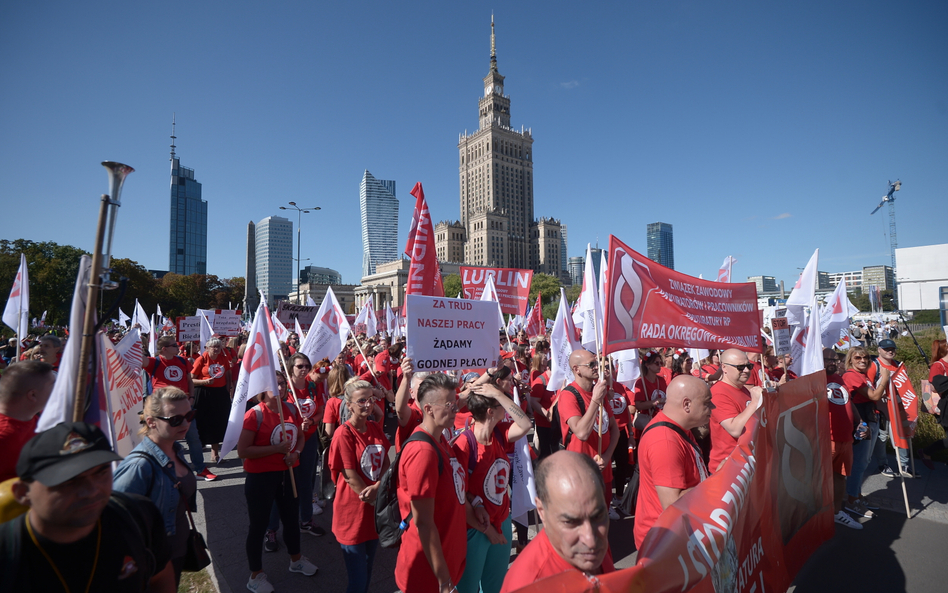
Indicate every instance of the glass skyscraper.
{"type": "Point", "coordinates": [273, 254]}
{"type": "Point", "coordinates": [661, 245]}
{"type": "Point", "coordinates": [188, 244]}
{"type": "Point", "coordinates": [379, 208]}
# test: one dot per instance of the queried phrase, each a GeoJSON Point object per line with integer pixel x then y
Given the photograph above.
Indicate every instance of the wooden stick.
{"type": "Point", "coordinates": [283, 429]}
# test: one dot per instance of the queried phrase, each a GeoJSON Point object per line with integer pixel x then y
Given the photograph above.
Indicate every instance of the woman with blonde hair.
{"type": "Point", "coordinates": [156, 468]}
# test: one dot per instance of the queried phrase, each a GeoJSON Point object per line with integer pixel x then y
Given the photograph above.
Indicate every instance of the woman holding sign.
{"type": "Point", "coordinates": [211, 396]}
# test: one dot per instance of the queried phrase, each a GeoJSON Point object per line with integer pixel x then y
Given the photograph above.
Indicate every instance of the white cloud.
{"type": "Point", "coordinates": [572, 84]}
{"type": "Point", "coordinates": [782, 216]}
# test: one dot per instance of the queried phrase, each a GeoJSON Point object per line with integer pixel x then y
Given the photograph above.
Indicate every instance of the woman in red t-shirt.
{"type": "Point", "coordinates": [541, 402]}
{"type": "Point", "coordinates": [212, 395]}
{"type": "Point", "coordinates": [336, 390]}
{"type": "Point", "coordinates": [358, 457]}
{"type": "Point", "coordinates": [483, 448]}
{"type": "Point", "coordinates": [649, 392]}
{"type": "Point", "coordinates": [939, 359]}
{"type": "Point", "coordinates": [681, 363]}
{"type": "Point", "coordinates": [270, 452]}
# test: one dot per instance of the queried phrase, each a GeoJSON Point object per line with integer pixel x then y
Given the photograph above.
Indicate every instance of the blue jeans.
{"type": "Point", "coordinates": [195, 448]}
{"type": "Point", "coordinates": [359, 559]}
{"type": "Point", "coordinates": [862, 450]}
{"type": "Point", "coordinates": [879, 455]}
{"type": "Point", "coordinates": [486, 564]}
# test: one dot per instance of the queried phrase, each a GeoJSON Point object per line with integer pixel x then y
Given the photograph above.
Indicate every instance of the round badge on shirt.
{"type": "Point", "coordinates": [495, 482]}
{"type": "Point", "coordinates": [371, 461]}
{"type": "Point", "coordinates": [457, 472]}
{"type": "Point", "coordinates": [216, 370]}
{"type": "Point", "coordinates": [276, 437]}
{"type": "Point", "coordinates": [619, 404]}
{"type": "Point", "coordinates": [307, 407]}
{"type": "Point", "coordinates": [837, 394]}
{"type": "Point", "coordinates": [173, 374]}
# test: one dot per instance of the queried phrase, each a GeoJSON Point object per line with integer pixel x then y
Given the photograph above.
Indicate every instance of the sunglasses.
{"type": "Point", "coordinates": [363, 403]}
{"type": "Point", "coordinates": [741, 367]}
{"type": "Point", "coordinates": [860, 358]}
{"type": "Point", "coordinates": [592, 365]}
{"type": "Point", "coordinates": [175, 421]}
{"type": "Point", "coordinates": [302, 366]}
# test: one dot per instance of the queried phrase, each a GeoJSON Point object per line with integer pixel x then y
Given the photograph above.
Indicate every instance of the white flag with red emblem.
{"type": "Point", "coordinates": [535, 325]}
{"type": "Point", "coordinates": [813, 350]}
{"type": "Point", "coordinates": [490, 294]}
{"type": "Point", "coordinates": [367, 316]}
{"type": "Point", "coordinates": [523, 489]}
{"type": "Point", "coordinates": [16, 313]}
{"type": "Point", "coordinates": [562, 343]}
{"type": "Point", "coordinates": [588, 313]}
{"type": "Point", "coordinates": [803, 291]}
{"type": "Point", "coordinates": [328, 334]}
{"type": "Point", "coordinates": [724, 274]}
{"type": "Point", "coordinates": [280, 330]}
{"type": "Point", "coordinates": [836, 314]}
{"type": "Point", "coordinates": [299, 330]}
{"type": "Point", "coordinates": [257, 375]}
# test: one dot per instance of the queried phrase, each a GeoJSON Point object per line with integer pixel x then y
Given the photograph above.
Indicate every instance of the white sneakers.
{"type": "Point", "coordinates": [843, 518]}
{"type": "Point", "coordinates": [303, 566]}
{"type": "Point", "coordinates": [260, 584]}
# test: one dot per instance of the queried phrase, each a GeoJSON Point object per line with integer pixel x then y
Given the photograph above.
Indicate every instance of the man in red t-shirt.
{"type": "Point", "coordinates": [734, 405]}
{"type": "Point", "coordinates": [585, 429]}
{"type": "Point", "coordinates": [843, 422]}
{"type": "Point", "coordinates": [575, 535]}
{"type": "Point", "coordinates": [407, 413]}
{"type": "Point", "coordinates": [886, 360]}
{"type": "Point", "coordinates": [670, 462]}
{"type": "Point", "coordinates": [24, 391]}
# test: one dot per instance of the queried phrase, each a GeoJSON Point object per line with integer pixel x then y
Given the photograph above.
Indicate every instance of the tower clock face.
{"type": "Point", "coordinates": [489, 90]}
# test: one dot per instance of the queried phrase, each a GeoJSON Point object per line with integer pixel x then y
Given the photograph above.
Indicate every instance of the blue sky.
{"type": "Point", "coordinates": [759, 130]}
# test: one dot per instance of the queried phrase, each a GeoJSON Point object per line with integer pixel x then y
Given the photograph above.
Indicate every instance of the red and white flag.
{"type": "Point", "coordinates": [389, 319]}
{"type": "Point", "coordinates": [17, 311]}
{"type": "Point", "coordinates": [424, 274]}
{"type": "Point", "coordinates": [299, 330]}
{"type": "Point", "coordinates": [122, 378]}
{"type": "Point", "coordinates": [490, 294]}
{"type": "Point", "coordinates": [562, 343]}
{"type": "Point", "coordinates": [536, 325]}
{"type": "Point", "coordinates": [588, 313]}
{"type": "Point", "coordinates": [803, 291]}
{"type": "Point", "coordinates": [813, 349]}
{"type": "Point", "coordinates": [367, 317]}
{"type": "Point", "coordinates": [329, 332]}
{"type": "Point", "coordinates": [419, 194]}
{"type": "Point", "coordinates": [724, 273]}
{"type": "Point", "coordinates": [281, 332]}
{"type": "Point", "coordinates": [835, 315]}
{"type": "Point", "coordinates": [257, 375]}
{"type": "Point", "coordinates": [903, 408]}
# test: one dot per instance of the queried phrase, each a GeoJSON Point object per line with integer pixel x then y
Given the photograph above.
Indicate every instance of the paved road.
{"type": "Point", "coordinates": [901, 554]}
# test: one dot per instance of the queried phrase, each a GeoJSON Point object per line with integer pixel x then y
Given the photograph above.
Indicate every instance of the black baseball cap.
{"type": "Point", "coordinates": [63, 452]}
{"type": "Point", "coordinates": [884, 344]}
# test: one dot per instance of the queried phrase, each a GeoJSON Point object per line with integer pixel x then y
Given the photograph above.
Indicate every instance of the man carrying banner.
{"type": "Point", "coordinates": [587, 425]}
{"type": "Point", "coordinates": [900, 378]}
{"type": "Point", "coordinates": [734, 405]}
{"type": "Point", "coordinates": [24, 391]}
{"type": "Point", "coordinates": [575, 535]}
{"type": "Point", "coordinates": [670, 461]}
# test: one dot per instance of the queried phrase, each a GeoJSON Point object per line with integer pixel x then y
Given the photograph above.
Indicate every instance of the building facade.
{"type": "Point", "coordinates": [379, 208]}
{"type": "Point", "coordinates": [317, 275]}
{"type": "Point", "coordinates": [881, 276]}
{"type": "Point", "coordinates": [923, 278]}
{"type": "Point", "coordinates": [576, 266]}
{"type": "Point", "coordinates": [853, 280]}
{"type": "Point", "coordinates": [251, 294]}
{"type": "Point", "coordinates": [187, 252]}
{"type": "Point", "coordinates": [661, 244]}
{"type": "Point", "coordinates": [273, 253]}
{"type": "Point", "coordinates": [765, 284]}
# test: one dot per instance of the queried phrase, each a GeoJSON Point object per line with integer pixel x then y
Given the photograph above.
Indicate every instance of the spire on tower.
{"type": "Point", "coordinates": [493, 50]}
{"type": "Point", "coordinates": [172, 136]}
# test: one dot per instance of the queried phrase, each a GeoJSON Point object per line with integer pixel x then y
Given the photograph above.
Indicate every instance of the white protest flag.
{"type": "Point", "coordinates": [139, 317]}
{"type": "Point", "coordinates": [42, 321]}
{"type": "Point", "coordinates": [367, 316]}
{"type": "Point", "coordinates": [158, 314]}
{"type": "Point", "coordinates": [490, 294]}
{"type": "Point", "coordinates": [16, 313]}
{"type": "Point", "coordinates": [562, 343]}
{"type": "Point", "coordinates": [603, 269]}
{"type": "Point", "coordinates": [628, 367]}
{"type": "Point", "coordinates": [697, 355]}
{"type": "Point", "coordinates": [329, 332]}
{"type": "Point", "coordinates": [724, 273]}
{"type": "Point", "coordinates": [206, 332]}
{"type": "Point", "coordinates": [62, 399]}
{"type": "Point", "coordinates": [398, 332]}
{"type": "Point", "coordinates": [511, 325]}
{"type": "Point", "coordinates": [813, 352]}
{"type": "Point", "coordinates": [798, 344]}
{"type": "Point", "coordinates": [389, 319]}
{"type": "Point", "coordinates": [153, 338]}
{"type": "Point", "coordinates": [310, 302]}
{"type": "Point", "coordinates": [257, 374]}
{"type": "Point", "coordinates": [523, 488]}
{"type": "Point", "coordinates": [299, 330]}
{"type": "Point", "coordinates": [123, 318]}
{"type": "Point", "coordinates": [836, 314]}
{"type": "Point", "coordinates": [588, 307]}
{"type": "Point", "coordinates": [122, 372]}
{"type": "Point", "coordinates": [803, 291]}
{"type": "Point", "coordinates": [280, 330]}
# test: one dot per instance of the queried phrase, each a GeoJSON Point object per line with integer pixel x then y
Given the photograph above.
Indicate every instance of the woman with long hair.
{"type": "Point", "coordinates": [681, 363]}
{"type": "Point", "coordinates": [156, 467]}
{"type": "Point", "coordinates": [212, 395]}
{"type": "Point", "coordinates": [358, 456]}
{"type": "Point", "coordinates": [864, 397]}
{"type": "Point", "coordinates": [541, 403]}
{"type": "Point", "coordinates": [939, 368]}
{"type": "Point", "coordinates": [939, 359]}
{"type": "Point", "coordinates": [336, 390]}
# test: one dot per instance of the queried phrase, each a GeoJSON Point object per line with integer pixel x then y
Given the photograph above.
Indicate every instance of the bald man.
{"type": "Point", "coordinates": [575, 517]}
{"type": "Point", "coordinates": [734, 405]}
{"type": "Point", "coordinates": [670, 461]}
{"type": "Point", "coordinates": [24, 391]}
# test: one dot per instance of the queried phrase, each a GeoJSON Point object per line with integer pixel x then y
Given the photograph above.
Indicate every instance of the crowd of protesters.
{"type": "Point", "coordinates": [602, 449]}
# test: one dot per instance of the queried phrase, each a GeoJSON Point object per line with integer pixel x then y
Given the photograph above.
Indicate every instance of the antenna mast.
{"type": "Point", "coordinates": [173, 137]}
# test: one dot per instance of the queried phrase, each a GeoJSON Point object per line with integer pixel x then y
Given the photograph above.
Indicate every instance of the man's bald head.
{"type": "Point", "coordinates": [580, 357]}
{"type": "Point", "coordinates": [688, 402]}
{"type": "Point", "coordinates": [730, 360]}
{"type": "Point", "coordinates": [564, 467]}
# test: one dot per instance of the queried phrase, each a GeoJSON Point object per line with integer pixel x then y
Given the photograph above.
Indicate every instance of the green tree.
{"type": "Point", "coordinates": [186, 294]}
{"type": "Point", "coordinates": [52, 269]}
{"type": "Point", "coordinates": [548, 286]}
{"type": "Point", "coordinates": [572, 293]}
{"type": "Point", "coordinates": [141, 285]}
{"type": "Point", "coordinates": [452, 285]}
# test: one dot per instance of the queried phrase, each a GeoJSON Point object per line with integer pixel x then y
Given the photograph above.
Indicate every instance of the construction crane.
{"type": "Point", "coordinates": [893, 241]}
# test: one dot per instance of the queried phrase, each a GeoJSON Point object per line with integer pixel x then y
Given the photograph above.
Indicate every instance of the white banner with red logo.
{"type": "Point", "coordinates": [650, 305]}
{"type": "Point", "coordinates": [122, 379]}
{"type": "Point", "coordinates": [327, 336]}
{"type": "Point", "coordinates": [512, 286]}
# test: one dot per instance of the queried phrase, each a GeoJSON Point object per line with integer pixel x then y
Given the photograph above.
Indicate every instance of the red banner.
{"type": "Point", "coordinates": [751, 526]}
{"type": "Point", "coordinates": [513, 286]}
{"type": "Point", "coordinates": [647, 304]}
{"type": "Point", "coordinates": [424, 274]}
{"type": "Point", "coordinates": [903, 410]}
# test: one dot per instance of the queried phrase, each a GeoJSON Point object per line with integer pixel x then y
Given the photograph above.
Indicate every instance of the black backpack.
{"type": "Point", "coordinates": [388, 519]}
{"type": "Point", "coordinates": [556, 433]}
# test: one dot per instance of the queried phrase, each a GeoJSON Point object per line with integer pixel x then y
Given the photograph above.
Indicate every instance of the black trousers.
{"type": "Point", "coordinates": [620, 455]}
{"type": "Point", "coordinates": [261, 491]}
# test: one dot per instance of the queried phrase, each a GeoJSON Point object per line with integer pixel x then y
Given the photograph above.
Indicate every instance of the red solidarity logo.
{"type": "Point", "coordinates": [255, 357]}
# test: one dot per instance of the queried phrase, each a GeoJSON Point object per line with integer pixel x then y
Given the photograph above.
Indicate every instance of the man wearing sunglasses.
{"type": "Point", "coordinates": [886, 360]}
{"type": "Point", "coordinates": [734, 404]}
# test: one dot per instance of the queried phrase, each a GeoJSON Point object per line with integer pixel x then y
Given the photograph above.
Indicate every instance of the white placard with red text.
{"type": "Point", "coordinates": [188, 329]}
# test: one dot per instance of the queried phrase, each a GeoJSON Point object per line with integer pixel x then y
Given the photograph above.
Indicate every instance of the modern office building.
{"type": "Point", "coordinates": [251, 294]}
{"type": "Point", "coordinates": [853, 280]}
{"type": "Point", "coordinates": [187, 251]}
{"type": "Point", "coordinates": [273, 252]}
{"type": "Point", "coordinates": [564, 261]}
{"type": "Point", "coordinates": [576, 266]}
{"type": "Point", "coordinates": [317, 275]}
{"type": "Point", "coordinates": [379, 209]}
{"type": "Point", "coordinates": [660, 243]}
{"type": "Point", "coordinates": [881, 276]}
{"type": "Point", "coordinates": [923, 278]}
{"type": "Point", "coordinates": [496, 190]}
{"type": "Point", "coordinates": [765, 284]}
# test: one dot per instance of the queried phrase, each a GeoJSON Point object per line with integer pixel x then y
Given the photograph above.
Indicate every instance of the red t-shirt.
{"type": "Point", "coordinates": [310, 404]}
{"type": "Point", "coordinates": [729, 402]}
{"type": "Point", "coordinates": [665, 459]}
{"type": "Point", "coordinates": [539, 391]}
{"type": "Point", "coordinates": [403, 432]}
{"type": "Point", "coordinates": [331, 413]}
{"type": "Point", "coordinates": [620, 404]}
{"type": "Point", "coordinates": [840, 410]}
{"type": "Point", "coordinates": [13, 436]}
{"type": "Point", "coordinates": [418, 478]}
{"type": "Point", "coordinates": [754, 380]}
{"type": "Point", "coordinates": [168, 372]}
{"type": "Point", "coordinates": [646, 391]}
{"type": "Point", "coordinates": [567, 408]}
{"type": "Point", "coordinates": [938, 368]}
{"type": "Point", "coordinates": [491, 473]}
{"type": "Point", "coordinates": [539, 561]}
{"type": "Point", "coordinates": [205, 368]}
{"type": "Point", "coordinates": [665, 373]}
{"type": "Point", "coordinates": [353, 521]}
{"type": "Point", "coordinates": [270, 433]}
{"type": "Point", "coordinates": [858, 386]}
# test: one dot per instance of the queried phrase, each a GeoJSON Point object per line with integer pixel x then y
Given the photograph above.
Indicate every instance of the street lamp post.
{"type": "Point", "coordinates": [299, 220]}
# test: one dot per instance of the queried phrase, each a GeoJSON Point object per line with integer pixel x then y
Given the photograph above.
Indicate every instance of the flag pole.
{"type": "Point", "coordinates": [283, 429]}
{"type": "Point", "coordinates": [892, 404]}
{"type": "Point", "coordinates": [288, 377]}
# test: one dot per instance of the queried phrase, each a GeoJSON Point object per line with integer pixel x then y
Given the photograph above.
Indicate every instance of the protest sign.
{"type": "Point", "coordinates": [286, 312]}
{"type": "Point", "coordinates": [512, 285]}
{"type": "Point", "coordinates": [753, 524]}
{"type": "Point", "coordinates": [780, 327]}
{"type": "Point", "coordinates": [226, 322]}
{"type": "Point", "coordinates": [447, 334]}
{"type": "Point", "coordinates": [121, 376]}
{"type": "Point", "coordinates": [188, 328]}
{"type": "Point", "coordinates": [649, 305]}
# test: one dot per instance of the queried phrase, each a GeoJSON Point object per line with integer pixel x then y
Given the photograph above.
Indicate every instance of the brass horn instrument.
{"type": "Point", "coordinates": [117, 174]}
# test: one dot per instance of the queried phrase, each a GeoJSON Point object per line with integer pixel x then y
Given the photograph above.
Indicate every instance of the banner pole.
{"type": "Point", "coordinates": [912, 456]}
{"type": "Point", "coordinates": [283, 429]}
{"type": "Point", "coordinates": [367, 363]}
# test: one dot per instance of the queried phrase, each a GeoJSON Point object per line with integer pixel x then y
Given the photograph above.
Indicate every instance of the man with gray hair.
{"type": "Point", "coordinates": [24, 391]}
{"type": "Point", "coordinates": [51, 350]}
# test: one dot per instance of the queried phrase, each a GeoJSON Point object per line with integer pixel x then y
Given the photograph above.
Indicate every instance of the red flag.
{"type": "Point", "coordinates": [424, 275]}
{"type": "Point", "coordinates": [536, 325]}
{"type": "Point", "coordinates": [903, 408]}
{"type": "Point", "coordinates": [419, 194]}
